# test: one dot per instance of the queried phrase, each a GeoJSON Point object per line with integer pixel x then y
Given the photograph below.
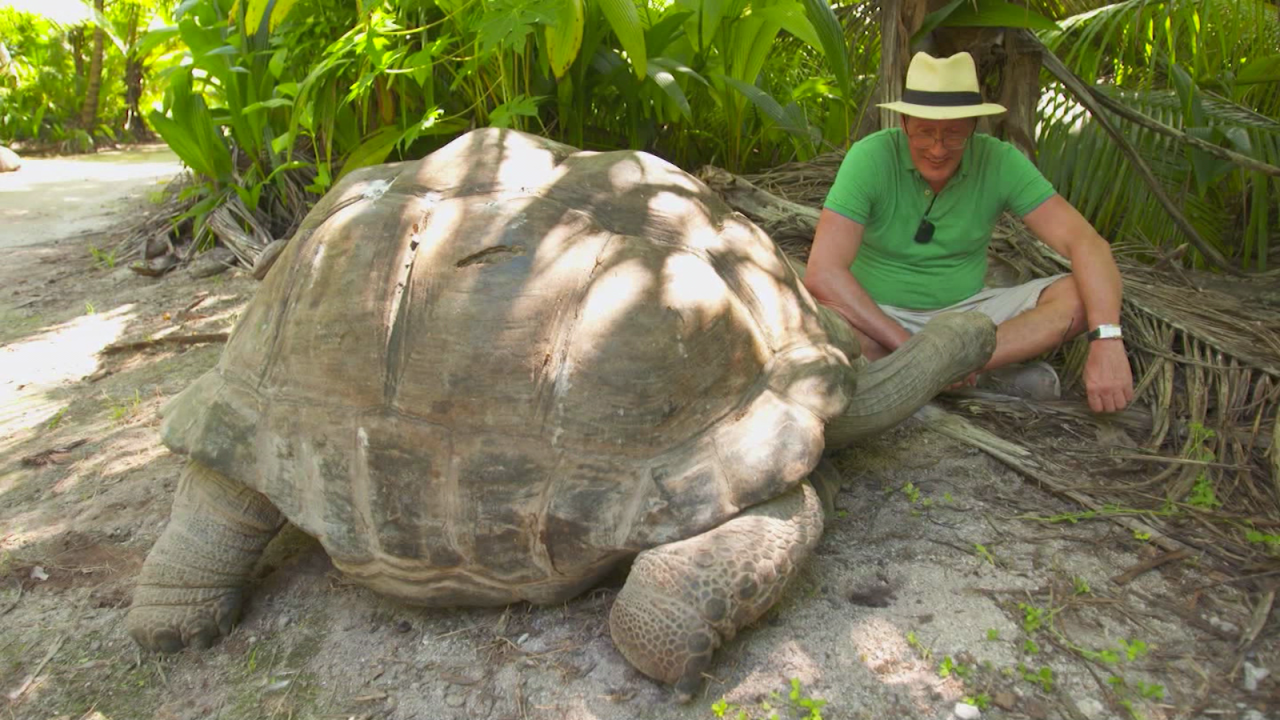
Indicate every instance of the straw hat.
{"type": "Point", "coordinates": [942, 89]}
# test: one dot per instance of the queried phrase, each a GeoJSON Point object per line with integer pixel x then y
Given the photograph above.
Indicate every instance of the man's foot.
{"type": "Point", "coordinates": [1032, 381]}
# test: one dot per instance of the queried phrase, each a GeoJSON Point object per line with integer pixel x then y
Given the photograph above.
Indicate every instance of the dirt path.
{"type": "Point", "coordinates": [931, 586]}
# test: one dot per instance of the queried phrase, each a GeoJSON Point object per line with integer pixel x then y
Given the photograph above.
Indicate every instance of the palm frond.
{"type": "Point", "coordinates": [1086, 167]}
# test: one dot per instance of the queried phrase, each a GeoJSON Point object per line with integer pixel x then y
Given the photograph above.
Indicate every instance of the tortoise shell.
{"type": "Point", "coordinates": [490, 374]}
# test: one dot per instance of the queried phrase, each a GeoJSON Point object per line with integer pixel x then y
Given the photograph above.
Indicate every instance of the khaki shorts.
{"type": "Point", "coordinates": [999, 304]}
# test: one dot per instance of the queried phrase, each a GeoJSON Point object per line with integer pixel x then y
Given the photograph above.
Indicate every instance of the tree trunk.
{"type": "Point", "coordinates": [1020, 92]}
{"type": "Point", "coordinates": [899, 20]}
{"type": "Point", "coordinates": [89, 113]}
{"type": "Point", "coordinates": [76, 39]}
{"type": "Point", "coordinates": [133, 72]}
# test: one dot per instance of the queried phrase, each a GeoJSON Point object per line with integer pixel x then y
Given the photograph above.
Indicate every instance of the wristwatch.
{"type": "Point", "coordinates": [1105, 332]}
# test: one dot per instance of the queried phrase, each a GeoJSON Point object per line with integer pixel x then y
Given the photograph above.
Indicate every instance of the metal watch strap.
{"type": "Point", "coordinates": [1105, 332]}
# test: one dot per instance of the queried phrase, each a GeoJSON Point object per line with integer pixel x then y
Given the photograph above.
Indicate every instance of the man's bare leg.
{"type": "Point", "coordinates": [871, 349]}
{"type": "Point", "coordinates": [1057, 317]}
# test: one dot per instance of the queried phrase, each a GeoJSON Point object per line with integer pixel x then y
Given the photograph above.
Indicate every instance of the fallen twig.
{"type": "Point", "coordinates": [166, 340]}
{"type": "Point", "coordinates": [16, 695]}
{"type": "Point", "coordinates": [16, 600]}
{"type": "Point", "coordinates": [1128, 576]}
{"type": "Point", "coordinates": [1258, 620]}
{"type": "Point", "coordinates": [52, 456]}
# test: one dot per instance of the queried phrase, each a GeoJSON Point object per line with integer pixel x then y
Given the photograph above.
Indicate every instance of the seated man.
{"type": "Point", "coordinates": [904, 232]}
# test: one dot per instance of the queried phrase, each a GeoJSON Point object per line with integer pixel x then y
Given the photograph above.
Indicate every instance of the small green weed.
{"type": "Point", "coordinates": [1033, 618]}
{"type": "Point", "coordinates": [105, 258]}
{"type": "Point", "coordinates": [1133, 650]}
{"type": "Point", "coordinates": [982, 701]}
{"type": "Point", "coordinates": [129, 408]}
{"type": "Point", "coordinates": [1271, 541]}
{"type": "Point", "coordinates": [1128, 695]}
{"type": "Point", "coordinates": [993, 634]}
{"type": "Point", "coordinates": [1082, 586]}
{"type": "Point", "coordinates": [914, 643]}
{"type": "Point", "coordinates": [57, 418]}
{"type": "Point", "coordinates": [796, 705]}
{"type": "Point", "coordinates": [1042, 677]}
{"type": "Point", "coordinates": [90, 308]}
{"type": "Point", "coordinates": [983, 553]}
{"type": "Point", "coordinates": [949, 667]}
{"type": "Point", "coordinates": [1030, 647]}
{"type": "Point", "coordinates": [1202, 494]}
{"type": "Point", "coordinates": [912, 493]}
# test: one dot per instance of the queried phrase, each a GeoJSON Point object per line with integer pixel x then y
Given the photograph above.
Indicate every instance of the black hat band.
{"type": "Point", "coordinates": [941, 99]}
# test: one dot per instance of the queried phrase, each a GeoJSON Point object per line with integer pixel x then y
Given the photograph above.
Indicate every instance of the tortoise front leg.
{"type": "Point", "coordinates": [682, 600]}
{"type": "Point", "coordinates": [190, 589]}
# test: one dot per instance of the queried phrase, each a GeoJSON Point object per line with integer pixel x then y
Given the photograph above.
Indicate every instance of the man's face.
{"type": "Point", "coordinates": [937, 145]}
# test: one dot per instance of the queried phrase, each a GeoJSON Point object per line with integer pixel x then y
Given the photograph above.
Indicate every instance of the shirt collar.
{"type": "Point", "coordinates": [904, 154]}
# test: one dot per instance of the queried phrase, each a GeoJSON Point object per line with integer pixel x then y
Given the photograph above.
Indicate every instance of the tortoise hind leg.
{"type": "Point", "coordinates": [191, 587]}
{"type": "Point", "coordinates": [682, 600]}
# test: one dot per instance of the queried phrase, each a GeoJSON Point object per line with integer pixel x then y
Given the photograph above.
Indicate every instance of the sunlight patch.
{"type": "Point", "coordinates": [60, 355]}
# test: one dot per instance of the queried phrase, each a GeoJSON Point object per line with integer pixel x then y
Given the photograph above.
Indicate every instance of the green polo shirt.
{"type": "Point", "coordinates": [879, 187]}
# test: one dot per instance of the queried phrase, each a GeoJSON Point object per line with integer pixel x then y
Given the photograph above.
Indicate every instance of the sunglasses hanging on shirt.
{"type": "Point", "coordinates": [924, 233]}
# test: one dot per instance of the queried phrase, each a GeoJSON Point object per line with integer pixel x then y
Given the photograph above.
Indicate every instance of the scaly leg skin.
{"type": "Point", "coordinates": [683, 600]}
{"type": "Point", "coordinates": [190, 589]}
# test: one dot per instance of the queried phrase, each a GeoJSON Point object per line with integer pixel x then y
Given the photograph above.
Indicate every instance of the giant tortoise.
{"type": "Point", "coordinates": [494, 374]}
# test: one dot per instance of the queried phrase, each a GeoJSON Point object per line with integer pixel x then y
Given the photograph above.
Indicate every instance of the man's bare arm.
{"type": "Point", "coordinates": [1108, 377]}
{"type": "Point", "coordinates": [835, 245]}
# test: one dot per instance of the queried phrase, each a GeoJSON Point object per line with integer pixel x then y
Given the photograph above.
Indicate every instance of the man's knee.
{"type": "Point", "coordinates": [1065, 295]}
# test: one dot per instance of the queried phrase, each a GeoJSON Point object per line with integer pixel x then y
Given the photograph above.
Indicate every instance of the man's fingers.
{"type": "Point", "coordinates": [1109, 400]}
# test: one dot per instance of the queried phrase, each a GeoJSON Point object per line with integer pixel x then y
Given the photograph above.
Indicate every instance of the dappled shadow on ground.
{"type": "Point", "coordinates": [897, 586]}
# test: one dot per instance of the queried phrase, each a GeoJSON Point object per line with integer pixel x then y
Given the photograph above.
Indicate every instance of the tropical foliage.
{"type": "Point", "coordinates": [269, 102]}
{"type": "Point", "coordinates": [46, 74]}
{"type": "Point", "coordinates": [1209, 68]}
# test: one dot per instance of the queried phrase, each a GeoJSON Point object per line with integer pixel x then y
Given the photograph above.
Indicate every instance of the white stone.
{"type": "Point", "coordinates": [965, 711]}
{"type": "Point", "coordinates": [1253, 675]}
{"type": "Point", "coordinates": [1091, 708]}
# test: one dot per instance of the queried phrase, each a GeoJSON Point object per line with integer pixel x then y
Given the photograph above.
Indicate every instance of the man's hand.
{"type": "Point", "coordinates": [970, 380]}
{"type": "Point", "coordinates": [1107, 377]}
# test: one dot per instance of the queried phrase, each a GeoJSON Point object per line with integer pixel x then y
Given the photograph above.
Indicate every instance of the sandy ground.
{"type": "Point", "coordinates": [940, 580]}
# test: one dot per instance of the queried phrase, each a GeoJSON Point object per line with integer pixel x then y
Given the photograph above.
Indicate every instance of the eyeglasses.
{"type": "Point", "coordinates": [950, 141]}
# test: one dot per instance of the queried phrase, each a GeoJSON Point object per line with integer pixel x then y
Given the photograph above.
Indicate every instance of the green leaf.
{"type": "Point", "coordinates": [520, 105]}
{"type": "Point", "coordinates": [667, 82]}
{"type": "Point", "coordinates": [153, 39]}
{"type": "Point", "coordinates": [792, 19]}
{"type": "Point", "coordinates": [1208, 168]}
{"type": "Point", "coordinates": [998, 13]}
{"type": "Point", "coordinates": [705, 21]}
{"type": "Point", "coordinates": [564, 37]}
{"type": "Point", "coordinates": [751, 41]}
{"type": "Point", "coordinates": [276, 65]}
{"type": "Point", "coordinates": [831, 38]}
{"type": "Point", "coordinates": [664, 31]}
{"type": "Point", "coordinates": [372, 151]}
{"type": "Point", "coordinates": [1262, 70]}
{"type": "Point", "coordinates": [934, 19]}
{"type": "Point", "coordinates": [292, 165]}
{"type": "Point", "coordinates": [268, 104]}
{"type": "Point", "coordinates": [625, 21]}
{"type": "Point", "coordinates": [673, 67]}
{"type": "Point", "coordinates": [767, 105]}
{"type": "Point", "coordinates": [1189, 94]}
